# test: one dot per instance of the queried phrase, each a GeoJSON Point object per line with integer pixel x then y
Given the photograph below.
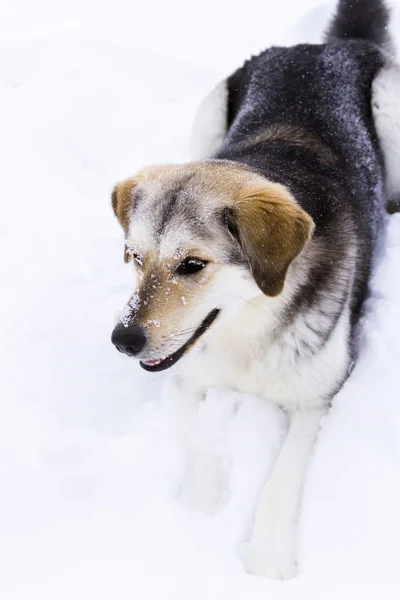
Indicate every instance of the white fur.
{"type": "Point", "coordinates": [237, 352]}
{"type": "Point", "coordinates": [209, 127]}
{"type": "Point", "coordinates": [240, 351]}
{"type": "Point", "coordinates": [386, 112]}
{"type": "Point", "coordinates": [272, 548]}
{"type": "Point", "coordinates": [204, 487]}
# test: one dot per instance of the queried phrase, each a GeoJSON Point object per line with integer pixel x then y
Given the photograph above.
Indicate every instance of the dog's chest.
{"type": "Point", "coordinates": [247, 363]}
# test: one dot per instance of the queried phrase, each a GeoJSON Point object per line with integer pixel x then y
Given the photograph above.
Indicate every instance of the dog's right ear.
{"type": "Point", "coordinates": [122, 201]}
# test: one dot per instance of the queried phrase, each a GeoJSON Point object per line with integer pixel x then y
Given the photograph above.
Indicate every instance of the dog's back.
{"type": "Point", "coordinates": [302, 117]}
{"type": "Point", "coordinates": [311, 105]}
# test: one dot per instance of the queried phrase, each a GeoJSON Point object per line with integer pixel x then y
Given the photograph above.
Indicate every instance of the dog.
{"type": "Point", "coordinates": [253, 261]}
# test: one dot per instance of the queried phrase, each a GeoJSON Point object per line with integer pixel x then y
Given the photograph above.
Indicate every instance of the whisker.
{"type": "Point", "coordinates": [265, 310]}
{"type": "Point", "coordinates": [187, 329]}
{"type": "Point", "coordinates": [183, 332]}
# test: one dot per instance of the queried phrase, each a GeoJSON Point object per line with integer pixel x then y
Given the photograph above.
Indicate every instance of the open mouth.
{"type": "Point", "coordinates": [166, 363]}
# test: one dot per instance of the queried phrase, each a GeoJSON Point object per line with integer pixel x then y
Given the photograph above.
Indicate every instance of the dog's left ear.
{"type": "Point", "coordinates": [272, 230]}
{"type": "Point", "coordinates": [122, 201]}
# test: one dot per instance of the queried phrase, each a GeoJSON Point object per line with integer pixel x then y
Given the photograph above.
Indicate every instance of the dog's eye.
{"type": "Point", "coordinates": [190, 266]}
{"type": "Point", "coordinates": [137, 259]}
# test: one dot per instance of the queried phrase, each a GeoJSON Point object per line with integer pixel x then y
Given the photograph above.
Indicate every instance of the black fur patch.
{"type": "Point", "coordinates": [360, 20]}
{"type": "Point", "coordinates": [175, 200]}
{"type": "Point", "coordinates": [323, 92]}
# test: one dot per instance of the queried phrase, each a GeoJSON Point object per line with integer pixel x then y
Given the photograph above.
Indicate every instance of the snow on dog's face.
{"type": "Point", "coordinates": [203, 237]}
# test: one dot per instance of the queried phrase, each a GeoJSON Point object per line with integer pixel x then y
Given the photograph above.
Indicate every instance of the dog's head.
{"type": "Point", "coordinates": [203, 237]}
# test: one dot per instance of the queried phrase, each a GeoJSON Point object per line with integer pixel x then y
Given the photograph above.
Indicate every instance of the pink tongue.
{"type": "Point", "coordinates": [153, 362]}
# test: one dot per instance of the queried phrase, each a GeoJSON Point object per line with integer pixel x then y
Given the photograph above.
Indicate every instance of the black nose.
{"type": "Point", "coordinates": [129, 340]}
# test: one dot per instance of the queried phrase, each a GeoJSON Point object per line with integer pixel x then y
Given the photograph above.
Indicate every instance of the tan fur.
{"type": "Point", "coordinates": [293, 136]}
{"type": "Point", "coordinates": [272, 228]}
{"type": "Point", "coordinates": [272, 232]}
{"type": "Point", "coordinates": [162, 299]}
{"type": "Point", "coordinates": [122, 194]}
{"type": "Point", "coordinates": [121, 200]}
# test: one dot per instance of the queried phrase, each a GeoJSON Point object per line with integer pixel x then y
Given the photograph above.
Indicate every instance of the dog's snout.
{"type": "Point", "coordinates": [129, 340]}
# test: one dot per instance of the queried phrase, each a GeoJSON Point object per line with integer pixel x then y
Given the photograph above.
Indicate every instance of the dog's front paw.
{"type": "Point", "coordinates": [271, 560]}
{"type": "Point", "coordinates": [205, 484]}
{"type": "Point", "coordinates": [271, 550]}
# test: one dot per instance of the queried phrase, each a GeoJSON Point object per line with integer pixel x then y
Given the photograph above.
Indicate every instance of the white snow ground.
{"type": "Point", "coordinates": [89, 92]}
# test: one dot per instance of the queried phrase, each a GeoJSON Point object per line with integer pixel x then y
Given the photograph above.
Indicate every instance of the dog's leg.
{"type": "Point", "coordinates": [272, 547]}
{"type": "Point", "coordinates": [204, 483]}
{"type": "Point", "coordinates": [386, 113]}
{"type": "Point", "coordinates": [210, 124]}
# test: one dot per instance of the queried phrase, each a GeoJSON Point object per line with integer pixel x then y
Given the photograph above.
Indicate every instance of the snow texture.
{"type": "Point", "coordinates": [89, 465]}
{"type": "Point", "coordinates": [128, 310]}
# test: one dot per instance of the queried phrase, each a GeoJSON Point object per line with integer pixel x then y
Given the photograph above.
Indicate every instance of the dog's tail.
{"type": "Point", "coordinates": [360, 20]}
